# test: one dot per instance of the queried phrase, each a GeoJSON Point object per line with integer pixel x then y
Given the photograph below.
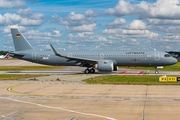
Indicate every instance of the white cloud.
{"type": "Point", "coordinates": [84, 38]}
{"type": "Point", "coordinates": [7, 29]}
{"type": "Point", "coordinates": [82, 28]}
{"type": "Point", "coordinates": [112, 31]}
{"type": "Point", "coordinates": [31, 22]}
{"type": "Point", "coordinates": [140, 33]}
{"type": "Point", "coordinates": [73, 19]}
{"type": "Point", "coordinates": [172, 37]}
{"type": "Point", "coordinates": [9, 18]}
{"type": "Point", "coordinates": [97, 39]}
{"type": "Point", "coordinates": [35, 34]}
{"type": "Point", "coordinates": [137, 25]}
{"type": "Point", "coordinates": [76, 37]}
{"type": "Point", "coordinates": [24, 12]}
{"type": "Point", "coordinates": [163, 22]}
{"type": "Point", "coordinates": [76, 22]}
{"type": "Point", "coordinates": [74, 16]}
{"type": "Point", "coordinates": [134, 40]}
{"type": "Point", "coordinates": [116, 23]}
{"type": "Point", "coordinates": [90, 13]}
{"type": "Point", "coordinates": [172, 29]}
{"type": "Point", "coordinates": [48, 47]}
{"type": "Point", "coordinates": [168, 47]}
{"type": "Point", "coordinates": [135, 32]}
{"type": "Point", "coordinates": [123, 8]}
{"type": "Point", "coordinates": [8, 47]}
{"type": "Point", "coordinates": [88, 33]}
{"type": "Point", "coordinates": [120, 33]}
{"type": "Point", "coordinates": [101, 39]}
{"type": "Point", "coordinates": [161, 9]}
{"type": "Point", "coordinates": [7, 4]}
{"type": "Point", "coordinates": [32, 0]}
{"type": "Point", "coordinates": [13, 18]}
{"type": "Point", "coordinates": [114, 37]}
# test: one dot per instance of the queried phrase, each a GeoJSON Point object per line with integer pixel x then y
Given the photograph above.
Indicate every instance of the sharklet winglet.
{"type": "Point", "coordinates": [56, 52]}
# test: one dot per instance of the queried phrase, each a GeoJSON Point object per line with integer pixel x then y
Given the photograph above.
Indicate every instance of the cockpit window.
{"type": "Point", "coordinates": [167, 55]}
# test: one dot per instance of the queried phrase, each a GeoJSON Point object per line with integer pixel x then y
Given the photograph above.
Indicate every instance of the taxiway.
{"type": "Point", "coordinates": [64, 96]}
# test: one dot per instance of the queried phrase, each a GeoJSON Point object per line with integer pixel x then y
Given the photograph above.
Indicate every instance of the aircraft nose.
{"type": "Point", "coordinates": [174, 61]}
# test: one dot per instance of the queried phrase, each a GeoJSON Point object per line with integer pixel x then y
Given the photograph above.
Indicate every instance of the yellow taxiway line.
{"type": "Point", "coordinates": [10, 90]}
{"type": "Point", "coordinates": [147, 72]}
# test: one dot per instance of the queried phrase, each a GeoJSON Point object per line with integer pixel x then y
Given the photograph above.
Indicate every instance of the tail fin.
{"type": "Point", "coordinates": [20, 42]}
{"type": "Point", "coordinates": [6, 56]}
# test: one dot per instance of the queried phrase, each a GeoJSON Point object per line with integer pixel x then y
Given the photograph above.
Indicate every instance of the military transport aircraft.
{"type": "Point", "coordinates": [106, 61]}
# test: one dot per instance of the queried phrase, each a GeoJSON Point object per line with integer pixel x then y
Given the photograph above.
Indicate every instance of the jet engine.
{"type": "Point", "coordinates": [105, 66]}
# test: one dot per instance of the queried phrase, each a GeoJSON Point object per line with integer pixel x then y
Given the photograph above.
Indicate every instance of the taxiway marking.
{"type": "Point", "coordinates": [10, 89]}
{"type": "Point", "coordinates": [82, 113]}
{"type": "Point", "coordinates": [132, 72]}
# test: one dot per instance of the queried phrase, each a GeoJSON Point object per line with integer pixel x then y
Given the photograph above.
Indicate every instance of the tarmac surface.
{"type": "Point", "coordinates": [67, 97]}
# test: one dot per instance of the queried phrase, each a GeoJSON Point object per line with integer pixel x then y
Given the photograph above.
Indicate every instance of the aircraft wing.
{"type": "Point", "coordinates": [77, 59]}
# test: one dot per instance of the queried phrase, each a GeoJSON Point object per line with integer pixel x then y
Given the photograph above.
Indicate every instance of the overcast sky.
{"type": "Point", "coordinates": [93, 24]}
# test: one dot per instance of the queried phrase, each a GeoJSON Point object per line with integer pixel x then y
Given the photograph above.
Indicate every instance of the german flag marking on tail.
{"type": "Point", "coordinates": [18, 35]}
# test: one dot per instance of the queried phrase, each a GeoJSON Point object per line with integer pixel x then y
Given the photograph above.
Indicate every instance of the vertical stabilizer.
{"type": "Point", "coordinates": [20, 42]}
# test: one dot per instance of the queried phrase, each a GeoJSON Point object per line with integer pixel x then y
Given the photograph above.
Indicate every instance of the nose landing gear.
{"type": "Point", "coordinates": [156, 71]}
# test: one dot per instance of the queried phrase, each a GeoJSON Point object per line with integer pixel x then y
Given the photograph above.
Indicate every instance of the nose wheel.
{"type": "Point", "coordinates": [156, 71]}
{"type": "Point", "coordinates": [88, 71]}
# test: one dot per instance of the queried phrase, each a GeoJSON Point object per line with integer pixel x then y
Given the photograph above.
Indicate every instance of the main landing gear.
{"type": "Point", "coordinates": [87, 71]}
{"type": "Point", "coordinates": [156, 71]}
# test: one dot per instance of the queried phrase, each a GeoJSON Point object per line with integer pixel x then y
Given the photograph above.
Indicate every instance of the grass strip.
{"type": "Point", "coordinates": [130, 80]}
{"type": "Point", "coordinates": [13, 68]}
{"type": "Point", "coordinates": [19, 76]}
{"type": "Point", "coordinates": [175, 67]}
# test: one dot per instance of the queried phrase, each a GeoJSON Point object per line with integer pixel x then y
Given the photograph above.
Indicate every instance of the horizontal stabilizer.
{"type": "Point", "coordinates": [16, 54]}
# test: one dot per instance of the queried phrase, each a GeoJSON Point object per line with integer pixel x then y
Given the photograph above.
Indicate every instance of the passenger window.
{"type": "Point", "coordinates": [167, 55]}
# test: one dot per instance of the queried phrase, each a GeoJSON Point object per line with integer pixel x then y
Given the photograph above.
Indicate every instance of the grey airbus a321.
{"type": "Point", "coordinates": [106, 61]}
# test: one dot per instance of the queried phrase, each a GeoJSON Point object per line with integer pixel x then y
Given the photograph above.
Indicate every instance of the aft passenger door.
{"type": "Point", "coordinates": [34, 55]}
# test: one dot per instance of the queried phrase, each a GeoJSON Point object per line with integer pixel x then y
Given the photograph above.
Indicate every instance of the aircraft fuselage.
{"type": "Point", "coordinates": [119, 58]}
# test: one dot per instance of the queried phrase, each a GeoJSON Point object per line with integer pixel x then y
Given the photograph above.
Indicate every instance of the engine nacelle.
{"type": "Point", "coordinates": [105, 66]}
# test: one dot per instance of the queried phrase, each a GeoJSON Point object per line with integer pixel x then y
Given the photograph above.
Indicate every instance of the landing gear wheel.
{"type": "Point", "coordinates": [92, 70]}
{"type": "Point", "coordinates": [156, 71]}
{"type": "Point", "coordinates": [87, 71]}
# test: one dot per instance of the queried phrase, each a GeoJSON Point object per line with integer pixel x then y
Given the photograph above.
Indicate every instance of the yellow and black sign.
{"type": "Point", "coordinates": [169, 79]}
{"type": "Point", "coordinates": [178, 79]}
{"type": "Point", "coordinates": [163, 79]}
{"type": "Point", "coordinates": [172, 79]}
